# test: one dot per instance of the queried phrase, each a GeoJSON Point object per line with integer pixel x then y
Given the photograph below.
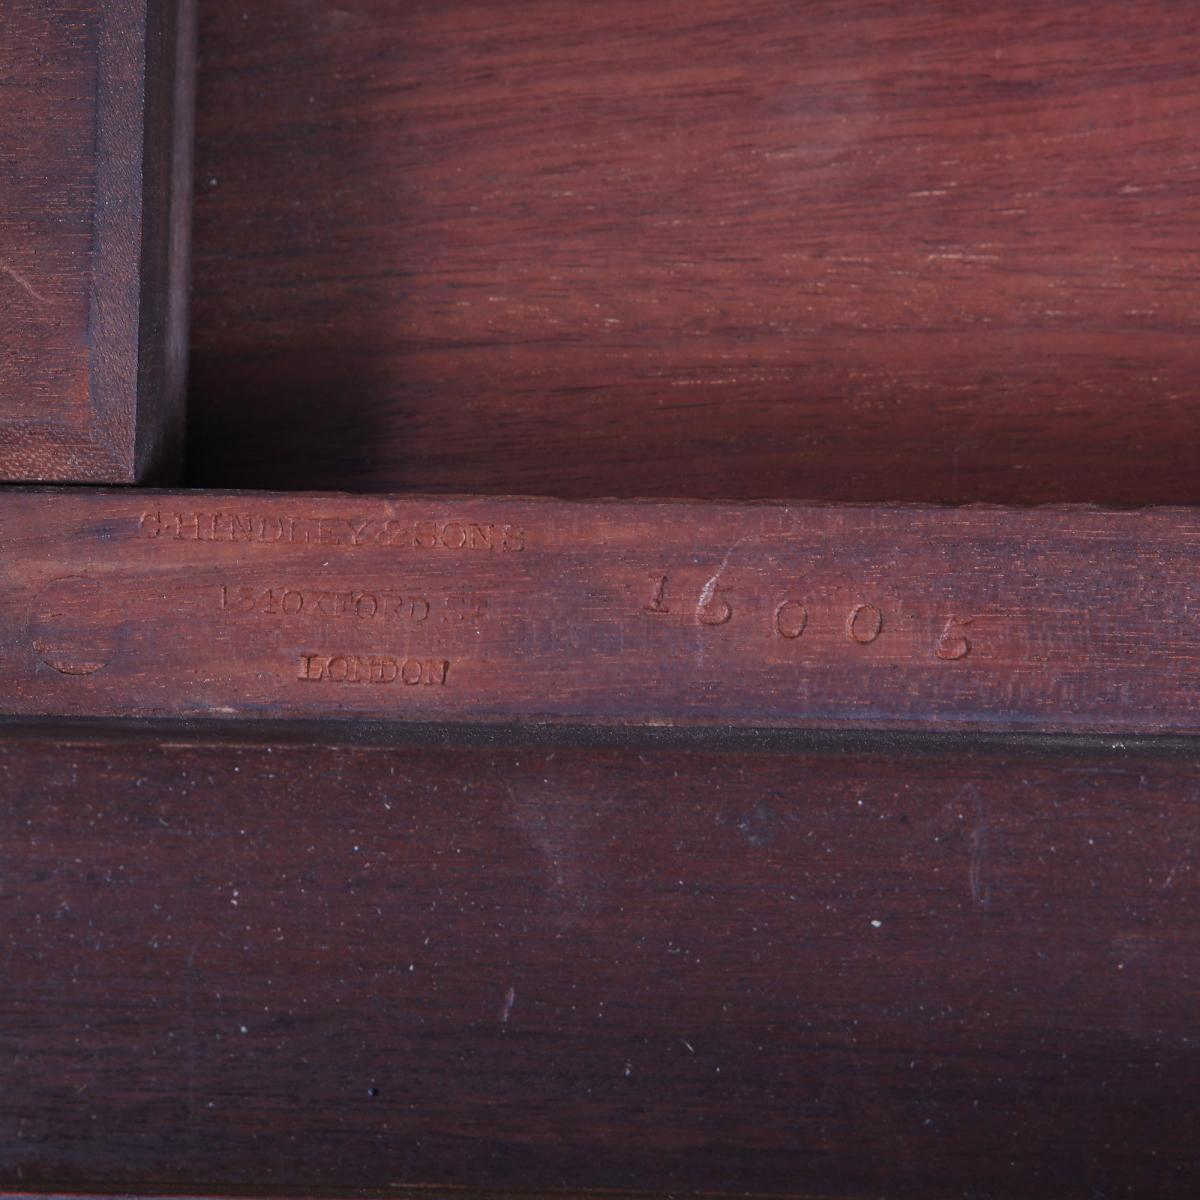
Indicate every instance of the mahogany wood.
{"type": "Point", "coordinates": [284, 934]}
{"type": "Point", "coordinates": [484, 610]}
{"type": "Point", "coordinates": [95, 212]}
{"type": "Point", "coordinates": [837, 974]}
{"type": "Point", "coordinates": [844, 250]}
{"type": "Point", "coordinates": [422, 1192]}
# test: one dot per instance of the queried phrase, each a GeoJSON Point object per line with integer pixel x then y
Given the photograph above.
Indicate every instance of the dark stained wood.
{"type": "Point", "coordinates": [722, 248]}
{"type": "Point", "coordinates": [485, 611]}
{"type": "Point", "coordinates": [838, 974]}
{"type": "Point", "coordinates": [422, 1192]}
{"type": "Point", "coordinates": [95, 213]}
{"type": "Point", "coordinates": [289, 935]}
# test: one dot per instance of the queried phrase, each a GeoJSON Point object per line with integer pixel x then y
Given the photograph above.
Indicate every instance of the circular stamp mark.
{"type": "Point", "coordinates": [75, 625]}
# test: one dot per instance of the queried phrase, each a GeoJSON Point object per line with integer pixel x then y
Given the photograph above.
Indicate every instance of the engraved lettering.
{"type": "Point", "coordinates": [461, 608]}
{"type": "Point", "coordinates": [269, 529]}
{"type": "Point", "coordinates": [864, 624]}
{"type": "Point", "coordinates": [187, 526]}
{"type": "Point", "coordinates": [709, 611]}
{"type": "Point", "coordinates": [454, 536]}
{"type": "Point", "coordinates": [242, 599]}
{"type": "Point", "coordinates": [791, 619]}
{"type": "Point", "coordinates": [359, 604]}
{"type": "Point", "coordinates": [953, 644]}
{"type": "Point", "coordinates": [434, 672]}
{"type": "Point", "coordinates": [658, 603]}
{"type": "Point", "coordinates": [373, 669]}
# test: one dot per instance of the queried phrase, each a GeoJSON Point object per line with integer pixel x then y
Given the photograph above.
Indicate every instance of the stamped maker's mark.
{"type": "Point", "coordinates": [863, 623]}
{"type": "Point", "coordinates": [373, 668]}
{"type": "Point", "coordinates": [354, 603]}
{"type": "Point", "coordinates": [289, 529]}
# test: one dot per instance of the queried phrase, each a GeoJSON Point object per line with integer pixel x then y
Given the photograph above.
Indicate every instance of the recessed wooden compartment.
{"type": "Point", "coordinates": [730, 249]}
{"type": "Point", "coordinates": [95, 213]}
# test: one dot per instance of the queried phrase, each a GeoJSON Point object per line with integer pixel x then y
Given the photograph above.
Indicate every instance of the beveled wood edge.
{"type": "Point", "coordinates": [169, 120]}
{"type": "Point", "coordinates": [399, 1192]}
{"type": "Point", "coordinates": [358, 734]}
{"type": "Point", "coordinates": [139, 279]}
{"type": "Point", "coordinates": [120, 206]}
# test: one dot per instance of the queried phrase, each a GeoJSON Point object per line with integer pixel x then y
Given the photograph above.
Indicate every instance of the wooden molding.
{"type": "Point", "coordinates": [95, 212]}
{"type": "Point", "coordinates": [228, 606]}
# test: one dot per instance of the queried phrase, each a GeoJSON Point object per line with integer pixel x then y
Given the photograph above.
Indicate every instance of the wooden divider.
{"type": "Point", "coordinates": [95, 216]}
{"type": "Point", "coordinates": [406, 609]}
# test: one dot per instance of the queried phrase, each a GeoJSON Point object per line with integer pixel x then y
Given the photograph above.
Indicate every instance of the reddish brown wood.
{"type": "Point", "coordinates": [398, 1193]}
{"type": "Point", "coordinates": [856, 974]}
{"type": "Point", "coordinates": [721, 248]}
{"type": "Point", "coordinates": [484, 610]}
{"type": "Point", "coordinates": [95, 212]}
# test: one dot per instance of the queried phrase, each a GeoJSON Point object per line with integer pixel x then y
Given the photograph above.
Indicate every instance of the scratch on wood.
{"type": "Point", "coordinates": [25, 284]}
{"type": "Point", "coordinates": [709, 589]}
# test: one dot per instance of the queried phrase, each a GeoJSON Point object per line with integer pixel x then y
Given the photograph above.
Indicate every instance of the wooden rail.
{"type": "Point", "coordinates": [408, 609]}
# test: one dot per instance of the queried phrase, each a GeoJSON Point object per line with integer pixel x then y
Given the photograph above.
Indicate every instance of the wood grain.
{"type": "Point", "coordinates": [95, 214]}
{"type": "Point", "coordinates": [483, 610]}
{"type": "Point", "coordinates": [289, 966]}
{"type": "Point", "coordinates": [723, 249]}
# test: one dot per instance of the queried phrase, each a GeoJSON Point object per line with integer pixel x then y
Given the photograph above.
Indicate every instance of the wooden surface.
{"type": "Point", "coordinates": [421, 1192]}
{"type": "Point", "coordinates": [717, 248]}
{"type": "Point", "coordinates": [840, 251]}
{"type": "Point", "coordinates": [482, 610]}
{"type": "Point", "coordinates": [95, 210]}
{"type": "Point", "coordinates": [835, 974]}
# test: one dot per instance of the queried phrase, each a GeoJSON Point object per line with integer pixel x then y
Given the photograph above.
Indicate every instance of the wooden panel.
{"type": "Point", "coordinates": [228, 606]}
{"type": "Point", "coordinates": [95, 211]}
{"type": "Point", "coordinates": [856, 974]}
{"type": "Point", "coordinates": [397, 1193]}
{"type": "Point", "coordinates": [714, 248]}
